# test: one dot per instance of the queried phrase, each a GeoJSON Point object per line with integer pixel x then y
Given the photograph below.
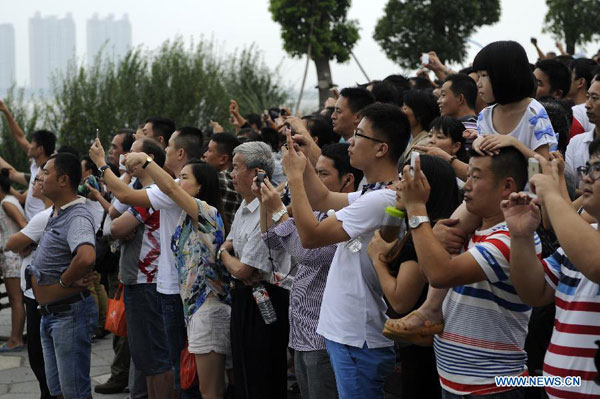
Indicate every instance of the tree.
{"type": "Point", "coordinates": [411, 27]}
{"type": "Point", "coordinates": [323, 25]}
{"type": "Point", "coordinates": [574, 21]}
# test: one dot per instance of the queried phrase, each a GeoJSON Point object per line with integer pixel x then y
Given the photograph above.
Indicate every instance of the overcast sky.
{"type": "Point", "coordinates": [234, 24]}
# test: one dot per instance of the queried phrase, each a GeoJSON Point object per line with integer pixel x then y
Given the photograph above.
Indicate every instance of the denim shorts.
{"type": "Point", "coordinates": [67, 345]}
{"type": "Point", "coordinates": [145, 329]}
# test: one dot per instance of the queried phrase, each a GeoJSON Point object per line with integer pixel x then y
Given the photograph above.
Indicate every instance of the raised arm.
{"type": "Point", "coordinates": [14, 128]}
{"type": "Point", "coordinates": [122, 191]}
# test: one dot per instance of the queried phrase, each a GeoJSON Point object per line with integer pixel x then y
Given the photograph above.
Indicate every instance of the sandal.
{"type": "Point", "coordinates": [397, 330]}
{"type": "Point", "coordinates": [6, 349]}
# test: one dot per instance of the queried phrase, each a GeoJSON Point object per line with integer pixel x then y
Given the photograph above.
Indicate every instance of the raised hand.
{"type": "Point", "coordinates": [521, 214]}
{"type": "Point", "coordinates": [97, 153]}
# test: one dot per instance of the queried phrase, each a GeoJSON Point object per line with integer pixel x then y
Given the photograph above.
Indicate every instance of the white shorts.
{"type": "Point", "coordinates": [10, 264]}
{"type": "Point", "coordinates": [209, 329]}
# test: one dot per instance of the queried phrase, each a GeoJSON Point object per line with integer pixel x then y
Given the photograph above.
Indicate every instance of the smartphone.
{"type": "Point", "coordinates": [533, 167]}
{"type": "Point", "coordinates": [97, 134]}
{"type": "Point", "coordinates": [122, 163]}
{"type": "Point", "coordinates": [424, 59]}
{"type": "Point", "coordinates": [413, 158]}
{"type": "Point", "coordinates": [260, 178]}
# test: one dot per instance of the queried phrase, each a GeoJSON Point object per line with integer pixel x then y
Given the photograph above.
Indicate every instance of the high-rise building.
{"type": "Point", "coordinates": [7, 56]}
{"type": "Point", "coordinates": [51, 48]}
{"type": "Point", "coordinates": [110, 36]}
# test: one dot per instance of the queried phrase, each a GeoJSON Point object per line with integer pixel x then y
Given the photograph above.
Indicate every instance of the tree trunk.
{"type": "Point", "coordinates": [570, 45]}
{"type": "Point", "coordinates": [323, 79]}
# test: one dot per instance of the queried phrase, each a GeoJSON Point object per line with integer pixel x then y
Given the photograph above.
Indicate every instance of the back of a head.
{"type": "Point", "coordinates": [385, 92]}
{"type": "Point", "coordinates": [152, 147]}
{"type": "Point", "coordinates": [391, 124]}
{"type": "Point", "coordinates": [5, 180]}
{"type": "Point", "coordinates": [338, 153]}
{"type": "Point", "coordinates": [225, 143]}
{"type": "Point", "coordinates": [401, 84]}
{"type": "Point", "coordinates": [191, 140]}
{"type": "Point", "coordinates": [320, 127]}
{"type": "Point", "coordinates": [271, 137]}
{"type": "Point", "coordinates": [357, 98]}
{"type": "Point", "coordinates": [508, 69]}
{"type": "Point", "coordinates": [463, 84]}
{"type": "Point", "coordinates": [584, 68]}
{"type": "Point", "coordinates": [163, 127]}
{"type": "Point", "coordinates": [254, 119]}
{"type": "Point", "coordinates": [509, 162]}
{"type": "Point", "coordinates": [68, 164]}
{"type": "Point", "coordinates": [560, 118]}
{"type": "Point", "coordinates": [46, 139]}
{"type": "Point", "coordinates": [424, 106]}
{"type": "Point", "coordinates": [558, 74]}
{"type": "Point", "coordinates": [564, 59]}
{"type": "Point", "coordinates": [257, 154]}
{"type": "Point", "coordinates": [128, 138]}
{"type": "Point", "coordinates": [69, 149]}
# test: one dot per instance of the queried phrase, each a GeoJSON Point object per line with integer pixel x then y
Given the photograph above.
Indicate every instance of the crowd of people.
{"type": "Point", "coordinates": [251, 247]}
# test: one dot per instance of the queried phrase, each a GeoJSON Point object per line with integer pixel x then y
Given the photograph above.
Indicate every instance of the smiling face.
{"type": "Point", "coordinates": [443, 142]}
{"type": "Point", "coordinates": [448, 102]}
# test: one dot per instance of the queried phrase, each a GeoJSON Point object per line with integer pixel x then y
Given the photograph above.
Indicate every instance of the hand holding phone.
{"type": "Point", "coordinates": [413, 158]}
{"type": "Point", "coordinates": [260, 178]}
{"type": "Point", "coordinates": [533, 167]}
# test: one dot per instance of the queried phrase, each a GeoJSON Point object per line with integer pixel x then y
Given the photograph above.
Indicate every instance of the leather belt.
{"type": "Point", "coordinates": [64, 304]}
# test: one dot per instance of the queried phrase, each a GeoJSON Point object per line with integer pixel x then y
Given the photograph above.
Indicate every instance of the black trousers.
{"type": "Point", "coordinates": [34, 345]}
{"type": "Point", "coordinates": [259, 351]}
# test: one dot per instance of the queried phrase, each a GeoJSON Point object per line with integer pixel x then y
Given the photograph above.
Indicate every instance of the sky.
{"type": "Point", "coordinates": [235, 24]}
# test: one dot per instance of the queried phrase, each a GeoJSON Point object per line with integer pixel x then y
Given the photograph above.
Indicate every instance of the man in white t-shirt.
{"type": "Point", "coordinates": [41, 147]}
{"type": "Point", "coordinates": [183, 146]}
{"type": "Point", "coordinates": [577, 151]}
{"type": "Point", "coordinates": [581, 78]}
{"type": "Point", "coordinates": [353, 309]}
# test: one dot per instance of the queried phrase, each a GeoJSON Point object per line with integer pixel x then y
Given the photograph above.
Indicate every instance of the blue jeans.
{"type": "Point", "coordinates": [514, 394]}
{"type": "Point", "coordinates": [172, 313]}
{"type": "Point", "coordinates": [360, 372]}
{"type": "Point", "coordinates": [67, 345]}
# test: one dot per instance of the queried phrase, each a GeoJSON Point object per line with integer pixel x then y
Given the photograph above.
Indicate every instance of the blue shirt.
{"type": "Point", "coordinates": [66, 231]}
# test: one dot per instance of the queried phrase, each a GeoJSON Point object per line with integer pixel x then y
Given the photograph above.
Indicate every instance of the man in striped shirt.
{"type": "Point", "coordinates": [569, 277]}
{"type": "Point", "coordinates": [485, 320]}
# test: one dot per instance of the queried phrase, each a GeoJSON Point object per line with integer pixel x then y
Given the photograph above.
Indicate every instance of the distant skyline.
{"type": "Point", "coordinates": [235, 24]}
{"type": "Point", "coordinates": [7, 56]}
{"type": "Point", "coordinates": [109, 35]}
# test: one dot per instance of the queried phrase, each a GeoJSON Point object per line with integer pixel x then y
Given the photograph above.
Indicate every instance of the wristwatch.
{"type": "Point", "coordinates": [416, 221]}
{"type": "Point", "coordinates": [148, 160]}
{"type": "Point", "coordinates": [276, 217]}
{"type": "Point", "coordinates": [102, 169]}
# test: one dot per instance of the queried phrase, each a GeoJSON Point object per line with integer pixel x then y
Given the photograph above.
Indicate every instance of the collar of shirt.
{"type": "Point", "coordinates": [374, 186]}
{"type": "Point", "coordinates": [78, 200]}
{"type": "Point", "coordinates": [589, 136]}
{"type": "Point", "coordinates": [250, 207]}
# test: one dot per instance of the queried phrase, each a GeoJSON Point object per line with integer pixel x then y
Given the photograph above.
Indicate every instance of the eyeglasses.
{"type": "Point", "coordinates": [356, 133]}
{"type": "Point", "coordinates": [592, 171]}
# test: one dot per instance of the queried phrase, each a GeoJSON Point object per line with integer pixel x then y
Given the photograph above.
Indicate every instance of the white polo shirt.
{"type": "Point", "coordinates": [577, 151]}
{"type": "Point", "coordinates": [353, 308]}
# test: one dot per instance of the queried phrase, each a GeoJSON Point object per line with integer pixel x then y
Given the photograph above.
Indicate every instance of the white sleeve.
{"type": "Point", "coordinates": [36, 226]}
{"type": "Point", "coordinates": [158, 199]}
{"type": "Point", "coordinates": [570, 158]}
{"type": "Point", "coordinates": [365, 214]}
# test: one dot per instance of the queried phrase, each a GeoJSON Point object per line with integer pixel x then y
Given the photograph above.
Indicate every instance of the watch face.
{"type": "Point", "coordinates": [413, 222]}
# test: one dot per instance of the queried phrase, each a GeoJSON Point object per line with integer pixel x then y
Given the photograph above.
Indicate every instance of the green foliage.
{"type": "Point", "coordinates": [27, 114]}
{"type": "Point", "coordinates": [189, 84]}
{"type": "Point", "coordinates": [333, 35]}
{"type": "Point", "coordinates": [411, 27]}
{"type": "Point", "coordinates": [574, 21]}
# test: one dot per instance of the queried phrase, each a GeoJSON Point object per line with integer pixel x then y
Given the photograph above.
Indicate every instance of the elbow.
{"type": "Point", "coordinates": [439, 280]}
{"type": "Point", "coordinates": [309, 242]}
{"type": "Point", "coordinates": [400, 306]}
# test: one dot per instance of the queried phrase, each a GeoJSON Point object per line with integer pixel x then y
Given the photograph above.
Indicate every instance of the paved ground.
{"type": "Point", "coordinates": [17, 381]}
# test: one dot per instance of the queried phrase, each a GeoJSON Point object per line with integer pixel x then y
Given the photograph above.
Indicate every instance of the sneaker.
{"type": "Point", "coordinates": [110, 387]}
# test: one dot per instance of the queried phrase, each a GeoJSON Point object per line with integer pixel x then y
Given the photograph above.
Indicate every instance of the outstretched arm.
{"type": "Point", "coordinates": [14, 128]}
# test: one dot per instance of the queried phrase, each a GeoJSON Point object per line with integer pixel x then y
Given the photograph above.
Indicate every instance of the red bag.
{"type": "Point", "coordinates": [115, 314]}
{"type": "Point", "coordinates": [188, 374]}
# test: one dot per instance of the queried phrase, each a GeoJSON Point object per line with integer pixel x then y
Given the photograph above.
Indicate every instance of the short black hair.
{"type": "Point", "coordinates": [338, 153]}
{"type": "Point", "coordinates": [424, 106]}
{"type": "Point", "coordinates": [401, 83]}
{"type": "Point", "coordinates": [465, 85]}
{"type": "Point", "coordinates": [508, 69]}
{"type": "Point", "coordinates": [385, 92]}
{"type": "Point", "coordinates": [163, 127]}
{"type": "Point", "coordinates": [128, 138]}
{"type": "Point", "coordinates": [466, 71]}
{"type": "Point", "coordinates": [247, 134]}
{"type": "Point", "coordinates": [152, 147]}
{"type": "Point", "coordinates": [594, 148]}
{"type": "Point", "coordinates": [558, 74]}
{"type": "Point", "coordinates": [561, 117]}
{"type": "Point", "coordinates": [391, 125]}
{"type": "Point", "coordinates": [225, 143]}
{"type": "Point", "coordinates": [190, 139]}
{"type": "Point", "coordinates": [509, 162]}
{"type": "Point", "coordinates": [453, 129]}
{"type": "Point", "coordinates": [69, 149]}
{"type": "Point", "coordinates": [357, 97]}
{"type": "Point", "coordinates": [272, 137]}
{"type": "Point", "coordinates": [320, 127]}
{"type": "Point", "coordinates": [68, 164]}
{"type": "Point", "coordinates": [46, 139]}
{"type": "Point", "coordinates": [254, 119]}
{"type": "Point", "coordinates": [584, 68]}
{"type": "Point", "coordinates": [90, 165]}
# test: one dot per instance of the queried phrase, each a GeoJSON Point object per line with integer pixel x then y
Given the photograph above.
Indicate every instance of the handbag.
{"type": "Point", "coordinates": [188, 374]}
{"type": "Point", "coordinates": [115, 314]}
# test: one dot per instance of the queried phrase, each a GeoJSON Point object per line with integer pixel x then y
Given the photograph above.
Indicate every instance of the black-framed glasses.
{"type": "Point", "coordinates": [357, 134]}
{"type": "Point", "coordinates": [593, 171]}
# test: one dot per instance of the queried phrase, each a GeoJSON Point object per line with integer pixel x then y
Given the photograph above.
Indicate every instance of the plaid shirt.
{"type": "Point", "coordinates": [231, 199]}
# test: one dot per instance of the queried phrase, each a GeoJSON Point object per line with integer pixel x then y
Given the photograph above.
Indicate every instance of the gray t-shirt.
{"type": "Point", "coordinates": [72, 227]}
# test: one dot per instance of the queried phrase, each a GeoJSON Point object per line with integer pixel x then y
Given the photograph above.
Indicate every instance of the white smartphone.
{"type": "Point", "coordinates": [424, 59]}
{"type": "Point", "coordinates": [413, 158]}
{"type": "Point", "coordinates": [533, 167]}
